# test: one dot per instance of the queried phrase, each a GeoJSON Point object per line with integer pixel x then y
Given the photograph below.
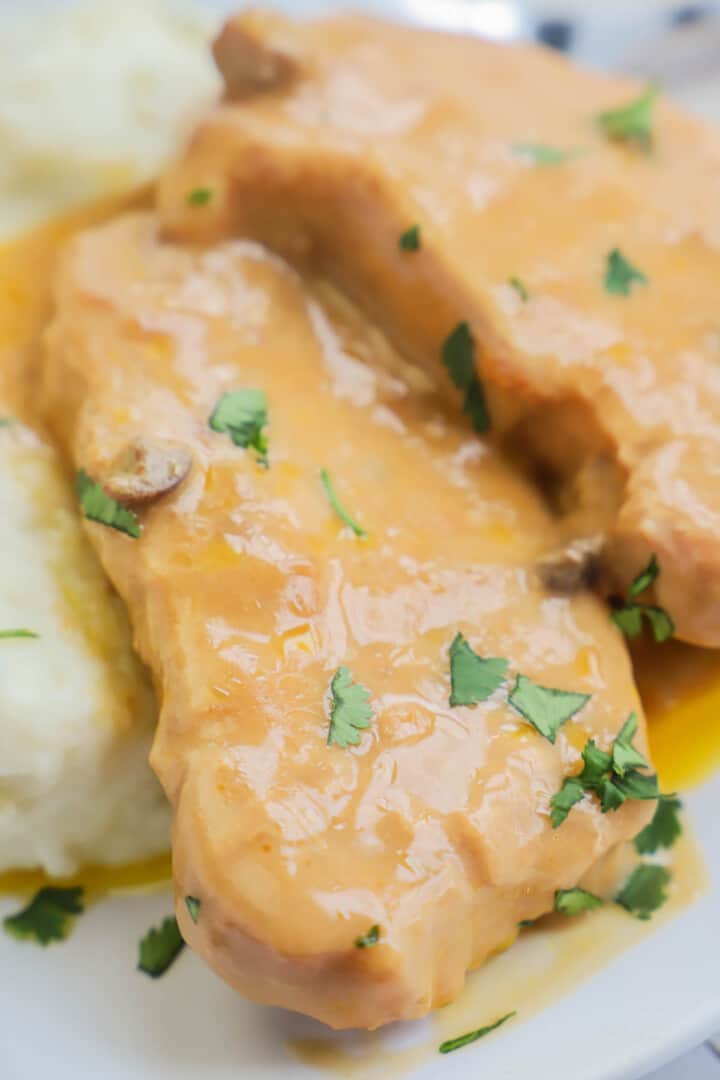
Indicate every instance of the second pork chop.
{"type": "Point", "coordinates": [584, 254]}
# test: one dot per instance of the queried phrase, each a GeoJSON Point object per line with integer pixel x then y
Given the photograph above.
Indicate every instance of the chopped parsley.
{"type": "Point", "coordinates": [628, 614]}
{"type": "Point", "coordinates": [540, 154]}
{"type": "Point", "coordinates": [338, 506]}
{"type": "Point", "coordinates": [458, 356]}
{"type": "Point", "coordinates": [410, 239]}
{"type": "Point", "coordinates": [620, 274]}
{"type": "Point", "coordinates": [350, 711]}
{"type": "Point", "coordinates": [473, 678]}
{"type": "Point", "coordinates": [200, 196]}
{"type": "Point", "coordinates": [644, 891]}
{"type": "Point", "coordinates": [521, 289]}
{"type": "Point", "coordinates": [193, 905]}
{"type": "Point", "coordinates": [18, 634]}
{"type": "Point", "coordinates": [575, 901]}
{"type": "Point", "coordinates": [631, 123]}
{"type": "Point", "coordinates": [48, 917]}
{"type": "Point", "coordinates": [160, 948]}
{"type": "Point", "coordinates": [98, 506]}
{"type": "Point", "coordinates": [664, 829]}
{"type": "Point", "coordinates": [472, 1036]}
{"type": "Point", "coordinates": [614, 777]}
{"type": "Point", "coordinates": [242, 414]}
{"type": "Point", "coordinates": [366, 941]}
{"type": "Point", "coordinates": [546, 709]}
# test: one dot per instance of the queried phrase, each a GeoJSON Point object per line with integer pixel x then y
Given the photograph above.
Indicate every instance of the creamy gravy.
{"type": "Point", "coordinates": [684, 739]}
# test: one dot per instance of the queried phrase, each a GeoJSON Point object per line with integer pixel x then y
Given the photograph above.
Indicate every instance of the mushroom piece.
{"type": "Point", "coordinates": [248, 63]}
{"type": "Point", "coordinates": [144, 469]}
{"type": "Point", "coordinates": [574, 567]}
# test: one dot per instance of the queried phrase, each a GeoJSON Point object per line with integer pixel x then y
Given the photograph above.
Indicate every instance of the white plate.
{"type": "Point", "coordinates": [81, 1010]}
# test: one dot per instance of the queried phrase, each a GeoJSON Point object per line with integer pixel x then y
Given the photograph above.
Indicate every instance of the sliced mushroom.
{"type": "Point", "coordinates": [248, 61]}
{"type": "Point", "coordinates": [145, 469]}
{"type": "Point", "coordinates": [574, 567]}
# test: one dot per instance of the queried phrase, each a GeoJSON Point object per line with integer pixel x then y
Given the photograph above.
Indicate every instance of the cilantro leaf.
{"type": "Point", "coordinates": [575, 901]}
{"type": "Point", "coordinates": [350, 711]}
{"type": "Point", "coordinates": [664, 829]}
{"type": "Point", "coordinates": [633, 122]}
{"type": "Point", "coordinates": [200, 196]}
{"type": "Point", "coordinates": [596, 764]}
{"type": "Point", "coordinates": [18, 634]}
{"type": "Point", "coordinates": [645, 578]}
{"type": "Point", "coordinates": [624, 755]}
{"type": "Point", "coordinates": [661, 624]}
{"type": "Point", "coordinates": [366, 941]}
{"type": "Point", "coordinates": [628, 614]}
{"type": "Point", "coordinates": [540, 154]}
{"type": "Point", "coordinates": [410, 239]}
{"type": "Point", "coordinates": [644, 891]}
{"type": "Point", "coordinates": [620, 274]}
{"type": "Point", "coordinates": [458, 357]}
{"type": "Point", "coordinates": [613, 777]}
{"type": "Point", "coordinates": [97, 506]}
{"type": "Point", "coordinates": [472, 1036]}
{"type": "Point", "coordinates": [546, 709]}
{"type": "Point", "coordinates": [337, 505]}
{"type": "Point", "coordinates": [243, 415]}
{"type": "Point", "coordinates": [48, 917]}
{"type": "Point", "coordinates": [563, 801]}
{"type": "Point", "coordinates": [628, 618]}
{"type": "Point", "coordinates": [637, 785]}
{"type": "Point", "coordinates": [520, 288]}
{"type": "Point", "coordinates": [473, 678]}
{"type": "Point", "coordinates": [160, 947]}
{"type": "Point", "coordinates": [193, 905]}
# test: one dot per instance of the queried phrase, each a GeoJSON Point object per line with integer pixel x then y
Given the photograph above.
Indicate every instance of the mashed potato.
{"type": "Point", "coordinates": [76, 710]}
{"type": "Point", "coordinates": [92, 98]}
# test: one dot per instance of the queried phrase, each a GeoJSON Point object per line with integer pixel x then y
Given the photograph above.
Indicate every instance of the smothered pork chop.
{"type": "Point", "coordinates": [384, 742]}
{"type": "Point", "coordinates": [570, 219]}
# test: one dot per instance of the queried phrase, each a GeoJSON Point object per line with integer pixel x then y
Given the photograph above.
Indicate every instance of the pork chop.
{"type": "Point", "coordinates": [353, 828]}
{"type": "Point", "coordinates": [581, 246]}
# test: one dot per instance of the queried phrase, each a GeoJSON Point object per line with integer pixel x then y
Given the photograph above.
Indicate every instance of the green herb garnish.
{"type": "Point", "coordinates": [200, 196]}
{"type": "Point", "coordinates": [644, 891]}
{"type": "Point", "coordinates": [193, 905]}
{"type": "Point", "coordinates": [18, 634]}
{"type": "Point", "coordinates": [243, 415]}
{"type": "Point", "coordinates": [350, 711]}
{"type": "Point", "coordinates": [98, 506]}
{"type": "Point", "coordinates": [546, 709]}
{"type": "Point", "coordinates": [48, 917]}
{"type": "Point", "coordinates": [540, 154]}
{"type": "Point", "coordinates": [664, 829]}
{"type": "Point", "coordinates": [473, 678]}
{"type": "Point", "coordinates": [620, 274]}
{"type": "Point", "coordinates": [410, 239]}
{"type": "Point", "coordinates": [366, 941]}
{"type": "Point", "coordinates": [338, 506]}
{"type": "Point", "coordinates": [160, 947]}
{"type": "Point", "coordinates": [575, 901]}
{"type": "Point", "coordinates": [633, 122]}
{"type": "Point", "coordinates": [472, 1036]}
{"type": "Point", "coordinates": [614, 777]}
{"type": "Point", "coordinates": [458, 356]}
{"type": "Point", "coordinates": [521, 289]}
{"type": "Point", "coordinates": [628, 614]}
